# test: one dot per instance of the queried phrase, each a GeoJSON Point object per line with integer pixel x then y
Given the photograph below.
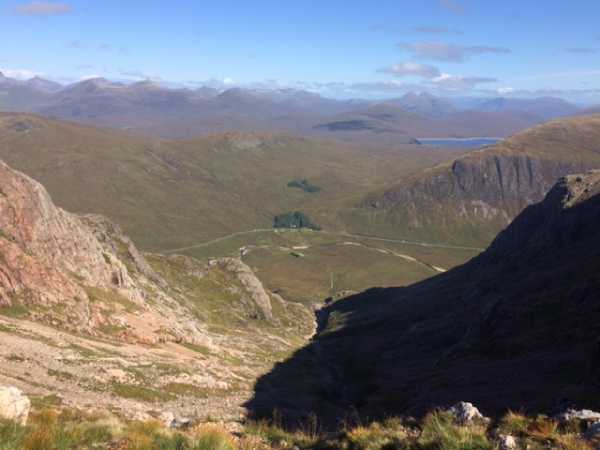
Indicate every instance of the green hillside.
{"type": "Point", "coordinates": [171, 194]}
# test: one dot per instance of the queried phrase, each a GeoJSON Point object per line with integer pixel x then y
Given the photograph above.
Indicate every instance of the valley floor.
{"type": "Point", "coordinates": [326, 264]}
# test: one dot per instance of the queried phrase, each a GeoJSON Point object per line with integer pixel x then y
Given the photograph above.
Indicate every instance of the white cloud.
{"type": "Point", "coordinates": [505, 90]}
{"type": "Point", "coordinates": [441, 51]}
{"type": "Point", "coordinates": [19, 74]}
{"type": "Point", "coordinates": [89, 77]}
{"type": "Point", "coordinates": [447, 81]}
{"type": "Point", "coordinates": [411, 68]}
{"type": "Point", "coordinates": [43, 8]}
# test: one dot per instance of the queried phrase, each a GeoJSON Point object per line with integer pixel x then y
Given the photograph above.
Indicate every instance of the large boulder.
{"type": "Point", "coordinates": [171, 421]}
{"type": "Point", "coordinates": [14, 405]}
{"type": "Point", "coordinates": [585, 415]}
{"type": "Point", "coordinates": [465, 412]}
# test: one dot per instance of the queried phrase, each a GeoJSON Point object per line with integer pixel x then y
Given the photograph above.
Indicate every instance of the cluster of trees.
{"type": "Point", "coordinates": [294, 219]}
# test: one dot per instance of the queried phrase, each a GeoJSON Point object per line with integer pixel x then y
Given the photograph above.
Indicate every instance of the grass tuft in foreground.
{"type": "Point", "coordinates": [53, 430]}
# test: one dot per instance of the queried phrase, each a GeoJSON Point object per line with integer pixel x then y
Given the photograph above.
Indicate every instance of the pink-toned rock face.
{"type": "Point", "coordinates": [67, 270]}
{"type": "Point", "coordinates": [30, 269]}
{"type": "Point", "coordinates": [48, 255]}
{"type": "Point", "coordinates": [53, 235]}
{"type": "Point", "coordinates": [26, 277]}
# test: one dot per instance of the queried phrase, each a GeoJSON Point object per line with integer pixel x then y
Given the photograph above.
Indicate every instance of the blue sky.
{"type": "Point", "coordinates": [347, 48]}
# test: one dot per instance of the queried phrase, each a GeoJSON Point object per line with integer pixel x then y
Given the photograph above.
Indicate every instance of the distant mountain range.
{"type": "Point", "coordinates": [152, 109]}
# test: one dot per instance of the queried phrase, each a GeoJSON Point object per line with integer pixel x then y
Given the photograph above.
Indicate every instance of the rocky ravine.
{"type": "Point", "coordinates": [86, 319]}
{"type": "Point", "coordinates": [516, 328]}
{"type": "Point", "coordinates": [472, 198]}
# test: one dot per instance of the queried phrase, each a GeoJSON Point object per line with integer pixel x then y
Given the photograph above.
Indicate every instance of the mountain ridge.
{"type": "Point", "coordinates": [149, 108]}
{"type": "Point", "coordinates": [482, 191]}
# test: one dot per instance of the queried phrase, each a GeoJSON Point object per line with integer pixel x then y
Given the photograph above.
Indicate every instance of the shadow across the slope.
{"type": "Point", "coordinates": [504, 339]}
{"type": "Point", "coordinates": [516, 328]}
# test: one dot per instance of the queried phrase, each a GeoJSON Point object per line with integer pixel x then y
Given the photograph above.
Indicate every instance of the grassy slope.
{"type": "Point", "coordinates": [170, 194]}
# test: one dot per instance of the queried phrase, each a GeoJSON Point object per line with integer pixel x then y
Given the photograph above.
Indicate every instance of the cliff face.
{"type": "Point", "coordinates": [48, 255]}
{"type": "Point", "coordinates": [515, 328]}
{"type": "Point", "coordinates": [568, 215]}
{"type": "Point", "coordinates": [486, 189]}
{"type": "Point", "coordinates": [77, 272]}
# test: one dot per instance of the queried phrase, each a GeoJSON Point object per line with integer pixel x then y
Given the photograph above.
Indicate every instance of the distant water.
{"type": "Point", "coordinates": [458, 142]}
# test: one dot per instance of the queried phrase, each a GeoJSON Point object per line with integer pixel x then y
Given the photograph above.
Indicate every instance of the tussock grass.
{"type": "Point", "coordinates": [54, 430]}
{"type": "Point", "coordinates": [211, 437]}
{"type": "Point", "coordinates": [275, 435]}
{"type": "Point", "coordinates": [390, 434]}
{"type": "Point", "coordinates": [514, 424]}
{"type": "Point", "coordinates": [441, 432]}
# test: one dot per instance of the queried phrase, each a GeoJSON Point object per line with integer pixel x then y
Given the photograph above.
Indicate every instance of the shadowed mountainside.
{"type": "Point", "coordinates": [515, 328]}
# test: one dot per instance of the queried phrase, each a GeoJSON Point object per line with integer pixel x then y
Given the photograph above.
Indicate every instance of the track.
{"type": "Point", "coordinates": [332, 233]}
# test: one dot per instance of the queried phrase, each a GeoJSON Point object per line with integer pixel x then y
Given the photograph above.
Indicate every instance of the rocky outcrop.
{"type": "Point", "coordinates": [484, 186]}
{"type": "Point", "coordinates": [584, 415]}
{"type": "Point", "coordinates": [552, 225]}
{"type": "Point", "coordinates": [171, 421]}
{"type": "Point", "coordinates": [251, 283]}
{"type": "Point", "coordinates": [482, 192]}
{"type": "Point", "coordinates": [465, 413]}
{"type": "Point", "coordinates": [49, 256]}
{"type": "Point", "coordinates": [14, 405]}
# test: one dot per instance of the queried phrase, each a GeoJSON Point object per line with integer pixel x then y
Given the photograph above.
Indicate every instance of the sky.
{"type": "Point", "coordinates": [339, 48]}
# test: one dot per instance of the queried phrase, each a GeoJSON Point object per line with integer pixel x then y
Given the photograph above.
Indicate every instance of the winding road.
{"type": "Point", "coordinates": [331, 233]}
